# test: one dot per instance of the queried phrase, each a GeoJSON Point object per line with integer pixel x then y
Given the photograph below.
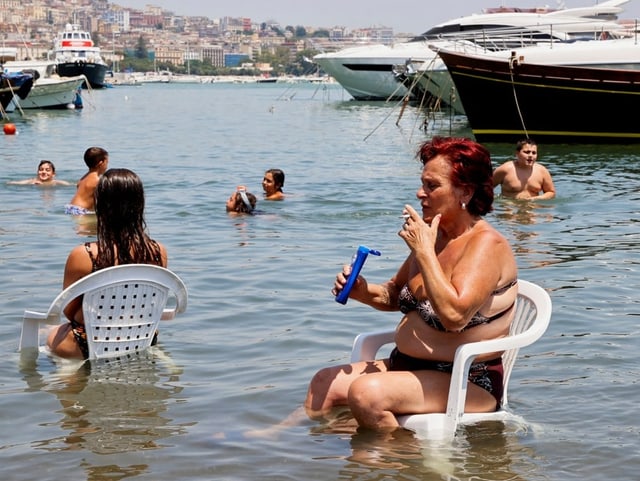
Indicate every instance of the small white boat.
{"type": "Point", "coordinates": [49, 91]}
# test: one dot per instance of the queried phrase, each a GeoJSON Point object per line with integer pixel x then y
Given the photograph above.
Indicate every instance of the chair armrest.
{"type": "Point", "coordinates": [366, 345]}
{"type": "Point", "coordinates": [31, 320]}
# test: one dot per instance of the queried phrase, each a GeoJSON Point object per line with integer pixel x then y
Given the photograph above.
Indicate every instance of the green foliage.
{"type": "Point", "coordinates": [141, 49]}
{"type": "Point", "coordinates": [321, 34]}
{"type": "Point", "coordinates": [280, 60]}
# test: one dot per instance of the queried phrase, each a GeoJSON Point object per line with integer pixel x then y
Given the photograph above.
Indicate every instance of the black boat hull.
{"type": "Point", "coordinates": [94, 72]}
{"type": "Point", "coordinates": [505, 101]}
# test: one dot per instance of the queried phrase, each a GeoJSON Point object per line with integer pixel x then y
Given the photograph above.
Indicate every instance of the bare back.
{"type": "Point", "coordinates": [85, 190]}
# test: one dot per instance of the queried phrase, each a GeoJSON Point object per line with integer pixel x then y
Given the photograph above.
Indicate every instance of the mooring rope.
{"type": "Point", "coordinates": [512, 62]}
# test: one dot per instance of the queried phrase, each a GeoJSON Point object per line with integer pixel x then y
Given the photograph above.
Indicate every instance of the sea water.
{"type": "Point", "coordinates": [261, 318]}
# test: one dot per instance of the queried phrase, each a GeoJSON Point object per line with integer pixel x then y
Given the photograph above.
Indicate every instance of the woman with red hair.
{"type": "Point", "coordinates": [457, 285]}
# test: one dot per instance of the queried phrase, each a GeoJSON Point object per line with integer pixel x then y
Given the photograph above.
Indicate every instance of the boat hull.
{"type": "Point", "coordinates": [14, 85]}
{"type": "Point", "coordinates": [94, 72]}
{"type": "Point", "coordinates": [367, 72]}
{"type": "Point", "coordinates": [552, 104]}
{"type": "Point", "coordinates": [51, 93]}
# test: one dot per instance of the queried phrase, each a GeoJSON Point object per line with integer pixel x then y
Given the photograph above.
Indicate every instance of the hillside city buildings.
{"type": "Point", "coordinates": [31, 25]}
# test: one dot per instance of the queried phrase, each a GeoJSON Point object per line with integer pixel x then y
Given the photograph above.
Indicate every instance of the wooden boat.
{"type": "Point", "coordinates": [508, 99]}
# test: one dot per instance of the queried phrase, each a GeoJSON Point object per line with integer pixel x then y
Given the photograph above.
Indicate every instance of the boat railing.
{"type": "Point", "coordinates": [502, 38]}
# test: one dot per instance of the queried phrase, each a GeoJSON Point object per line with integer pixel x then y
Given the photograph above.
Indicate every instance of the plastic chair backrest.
{"type": "Point", "coordinates": [122, 317]}
{"type": "Point", "coordinates": [122, 306]}
{"type": "Point", "coordinates": [524, 318]}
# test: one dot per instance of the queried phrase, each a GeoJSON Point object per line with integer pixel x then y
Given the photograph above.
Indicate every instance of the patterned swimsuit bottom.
{"type": "Point", "coordinates": [486, 374]}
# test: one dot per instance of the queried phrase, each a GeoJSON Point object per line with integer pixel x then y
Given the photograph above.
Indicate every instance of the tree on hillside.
{"type": "Point", "coordinates": [141, 48]}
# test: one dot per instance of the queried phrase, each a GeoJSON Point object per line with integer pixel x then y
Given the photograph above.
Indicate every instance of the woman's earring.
{"type": "Point", "coordinates": [464, 206]}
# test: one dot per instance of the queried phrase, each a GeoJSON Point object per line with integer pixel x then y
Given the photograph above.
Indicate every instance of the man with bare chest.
{"type": "Point", "coordinates": [523, 177]}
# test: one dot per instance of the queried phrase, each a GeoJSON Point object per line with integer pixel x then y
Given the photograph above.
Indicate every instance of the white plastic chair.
{"type": "Point", "coordinates": [532, 316]}
{"type": "Point", "coordinates": [122, 307]}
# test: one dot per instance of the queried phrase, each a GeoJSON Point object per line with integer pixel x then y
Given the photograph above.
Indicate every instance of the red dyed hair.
{"type": "Point", "coordinates": [470, 168]}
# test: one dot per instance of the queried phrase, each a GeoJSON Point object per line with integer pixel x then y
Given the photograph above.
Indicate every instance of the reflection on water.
{"type": "Point", "coordinates": [262, 320]}
{"type": "Point", "coordinates": [520, 220]}
{"type": "Point", "coordinates": [109, 408]}
{"type": "Point", "coordinates": [85, 225]}
{"type": "Point", "coordinates": [485, 452]}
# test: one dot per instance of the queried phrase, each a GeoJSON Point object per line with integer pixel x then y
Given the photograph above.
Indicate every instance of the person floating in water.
{"type": "Point", "coordinates": [272, 184]}
{"type": "Point", "coordinates": [241, 201]}
{"type": "Point", "coordinates": [45, 176]}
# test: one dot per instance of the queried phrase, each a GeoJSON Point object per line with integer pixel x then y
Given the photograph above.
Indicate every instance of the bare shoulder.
{"type": "Point", "coordinates": [489, 238]}
{"type": "Point", "coordinates": [77, 266]}
{"type": "Point", "coordinates": [504, 170]}
{"type": "Point", "coordinates": [163, 253]}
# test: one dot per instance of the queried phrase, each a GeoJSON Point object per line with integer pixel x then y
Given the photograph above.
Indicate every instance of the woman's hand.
{"type": "Point", "coordinates": [416, 232]}
{"type": "Point", "coordinates": [341, 280]}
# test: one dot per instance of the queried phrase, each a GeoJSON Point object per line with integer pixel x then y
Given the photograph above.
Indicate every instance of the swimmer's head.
{"type": "Point", "coordinates": [241, 201]}
{"type": "Point", "coordinates": [46, 171]}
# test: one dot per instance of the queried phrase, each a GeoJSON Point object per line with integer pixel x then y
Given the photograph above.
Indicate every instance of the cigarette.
{"type": "Point", "coordinates": [405, 216]}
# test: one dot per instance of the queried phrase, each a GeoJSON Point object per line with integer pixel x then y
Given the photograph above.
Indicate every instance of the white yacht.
{"type": "Point", "coordinates": [367, 72]}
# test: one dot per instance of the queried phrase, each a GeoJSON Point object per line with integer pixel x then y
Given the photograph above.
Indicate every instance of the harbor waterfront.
{"type": "Point", "coordinates": [261, 318]}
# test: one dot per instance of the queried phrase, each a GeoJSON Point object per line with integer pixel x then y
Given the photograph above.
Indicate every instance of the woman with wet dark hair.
{"type": "Point", "coordinates": [122, 238]}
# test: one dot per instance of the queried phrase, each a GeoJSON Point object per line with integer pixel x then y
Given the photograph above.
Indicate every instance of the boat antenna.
{"type": "Point", "coordinates": [24, 41]}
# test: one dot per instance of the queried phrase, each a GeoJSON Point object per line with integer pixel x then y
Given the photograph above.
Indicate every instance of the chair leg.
{"type": "Point", "coordinates": [29, 337]}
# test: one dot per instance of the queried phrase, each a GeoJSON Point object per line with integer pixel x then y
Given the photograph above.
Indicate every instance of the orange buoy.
{"type": "Point", "coordinates": [9, 129]}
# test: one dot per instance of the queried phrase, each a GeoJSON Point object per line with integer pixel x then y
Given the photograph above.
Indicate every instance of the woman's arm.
{"type": "Point", "coordinates": [77, 266]}
{"type": "Point", "coordinates": [460, 278]}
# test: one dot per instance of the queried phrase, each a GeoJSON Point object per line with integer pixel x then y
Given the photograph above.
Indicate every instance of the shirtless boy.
{"type": "Point", "coordinates": [523, 177]}
{"type": "Point", "coordinates": [97, 160]}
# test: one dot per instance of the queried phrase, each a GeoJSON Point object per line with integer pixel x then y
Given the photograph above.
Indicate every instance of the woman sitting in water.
{"type": "Point", "coordinates": [241, 202]}
{"type": "Point", "coordinates": [457, 285]}
{"type": "Point", "coordinates": [122, 239]}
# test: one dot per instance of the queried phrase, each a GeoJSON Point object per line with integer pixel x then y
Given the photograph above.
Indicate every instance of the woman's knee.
{"type": "Point", "coordinates": [323, 392]}
{"type": "Point", "coordinates": [366, 392]}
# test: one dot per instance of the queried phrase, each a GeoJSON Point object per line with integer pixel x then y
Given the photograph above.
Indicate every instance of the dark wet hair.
{"type": "Point", "coordinates": [121, 228]}
{"type": "Point", "coordinates": [241, 207]}
{"type": "Point", "coordinates": [522, 142]}
{"type": "Point", "coordinates": [470, 168]}
{"type": "Point", "coordinates": [42, 162]}
{"type": "Point", "coordinates": [93, 155]}
{"type": "Point", "coordinates": [278, 177]}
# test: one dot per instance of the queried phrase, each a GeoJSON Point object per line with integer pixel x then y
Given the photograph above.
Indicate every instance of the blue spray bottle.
{"type": "Point", "coordinates": [356, 266]}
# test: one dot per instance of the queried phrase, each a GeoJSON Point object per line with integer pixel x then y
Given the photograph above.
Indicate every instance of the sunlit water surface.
{"type": "Point", "coordinates": [261, 319]}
